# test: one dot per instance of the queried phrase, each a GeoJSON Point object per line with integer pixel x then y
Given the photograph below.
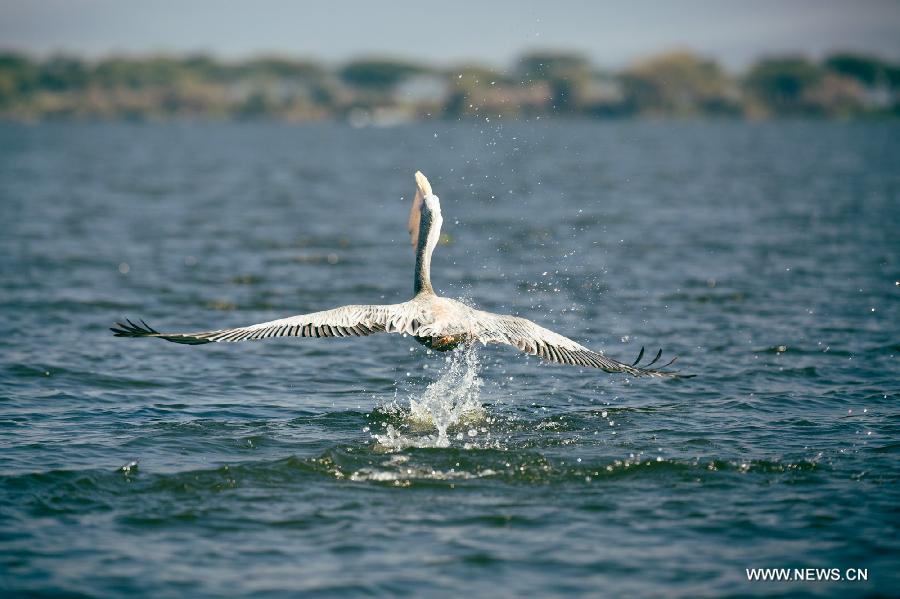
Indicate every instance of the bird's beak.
{"type": "Point", "coordinates": [423, 184]}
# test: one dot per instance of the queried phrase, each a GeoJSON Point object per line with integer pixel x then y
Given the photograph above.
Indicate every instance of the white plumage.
{"type": "Point", "coordinates": [437, 322]}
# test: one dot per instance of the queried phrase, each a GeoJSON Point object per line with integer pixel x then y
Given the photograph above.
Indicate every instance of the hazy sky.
{"type": "Point", "coordinates": [610, 33]}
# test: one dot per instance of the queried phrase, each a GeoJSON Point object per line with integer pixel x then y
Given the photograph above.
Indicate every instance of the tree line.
{"type": "Point", "coordinates": [676, 84]}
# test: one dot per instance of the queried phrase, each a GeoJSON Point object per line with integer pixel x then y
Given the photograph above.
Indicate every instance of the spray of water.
{"type": "Point", "coordinates": [452, 400]}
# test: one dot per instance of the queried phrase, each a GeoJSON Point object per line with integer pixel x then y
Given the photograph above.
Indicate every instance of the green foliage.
{"type": "Point", "coordinates": [281, 68]}
{"type": "Point", "coordinates": [868, 70]}
{"type": "Point", "coordinates": [62, 73]}
{"type": "Point", "coordinates": [566, 74]}
{"type": "Point", "coordinates": [378, 74]}
{"type": "Point", "coordinates": [138, 73]}
{"type": "Point", "coordinates": [780, 84]}
{"type": "Point", "coordinates": [675, 84]}
{"type": "Point", "coordinates": [546, 65]}
{"type": "Point", "coordinates": [18, 78]}
{"type": "Point", "coordinates": [680, 84]}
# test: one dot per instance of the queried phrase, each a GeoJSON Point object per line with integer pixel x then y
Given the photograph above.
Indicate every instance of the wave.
{"type": "Point", "coordinates": [61, 492]}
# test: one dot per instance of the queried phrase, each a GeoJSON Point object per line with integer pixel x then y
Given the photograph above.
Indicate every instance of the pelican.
{"type": "Point", "coordinates": [439, 323]}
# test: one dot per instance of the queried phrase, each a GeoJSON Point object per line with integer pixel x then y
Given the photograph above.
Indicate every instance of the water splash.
{"type": "Point", "coordinates": [450, 401]}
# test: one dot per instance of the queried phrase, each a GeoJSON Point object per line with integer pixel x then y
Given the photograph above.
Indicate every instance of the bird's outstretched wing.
{"type": "Point", "coordinates": [553, 347]}
{"type": "Point", "coordinates": [346, 321]}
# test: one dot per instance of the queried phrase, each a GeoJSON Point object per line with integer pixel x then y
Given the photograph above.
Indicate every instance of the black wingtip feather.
{"type": "Point", "coordinates": [640, 355]}
{"type": "Point", "coordinates": [659, 371]}
{"type": "Point", "coordinates": [655, 360]}
{"type": "Point", "coordinates": [149, 328]}
{"type": "Point", "coordinates": [132, 330]}
{"type": "Point", "coordinates": [670, 362]}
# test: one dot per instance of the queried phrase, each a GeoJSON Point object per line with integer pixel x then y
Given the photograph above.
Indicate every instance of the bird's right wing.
{"type": "Point", "coordinates": [346, 321]}
{"type": "Point", "coordinates": [553, 347]}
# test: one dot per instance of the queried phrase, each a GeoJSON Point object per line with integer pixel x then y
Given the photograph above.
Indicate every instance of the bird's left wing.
{"type": "Point", "coordinates": [346, 321]}
{"type": "Point", "coordinates": [553, 347]}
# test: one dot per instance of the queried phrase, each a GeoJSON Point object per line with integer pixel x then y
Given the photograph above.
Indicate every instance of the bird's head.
{"type": "Point", "coordinates": [430, 202]}
{"type": "Point", "coordinates": [426, 209]}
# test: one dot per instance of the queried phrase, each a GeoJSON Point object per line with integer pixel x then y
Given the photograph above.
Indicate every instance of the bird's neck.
{"type": "Point", "coordinates": [429, 233]}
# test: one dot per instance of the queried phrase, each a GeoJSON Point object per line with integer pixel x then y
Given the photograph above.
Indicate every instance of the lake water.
{"type": "Point", "coordinates": [767, 256]}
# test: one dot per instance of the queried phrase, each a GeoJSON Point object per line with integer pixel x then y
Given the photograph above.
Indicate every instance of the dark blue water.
{"type": "Point", "coordinates": [766, 255]}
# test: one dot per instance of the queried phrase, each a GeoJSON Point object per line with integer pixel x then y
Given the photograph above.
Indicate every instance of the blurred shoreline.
{"type": "Point", "coordinates": [678, 84]}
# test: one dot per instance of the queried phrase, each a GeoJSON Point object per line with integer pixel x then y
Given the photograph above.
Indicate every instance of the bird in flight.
{"type": "Point", "coordinates": [439, 323]}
